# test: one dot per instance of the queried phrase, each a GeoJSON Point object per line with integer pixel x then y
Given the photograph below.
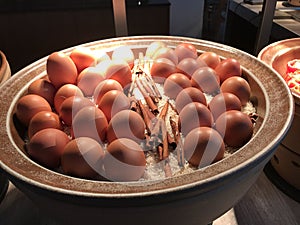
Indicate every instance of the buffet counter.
{"type": "Point", "coordinates": [244, 19]}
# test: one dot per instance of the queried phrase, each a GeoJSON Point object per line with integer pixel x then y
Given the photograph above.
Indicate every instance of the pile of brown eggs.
{"type": "Point", "coordinates": [80, 118]}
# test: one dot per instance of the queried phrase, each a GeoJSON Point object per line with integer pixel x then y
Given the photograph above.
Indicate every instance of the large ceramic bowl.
{"type": "Point", "coordinates": [195, 198]}
{"type": "Point", "coordinates": [5, 74]}
{"type": "Point", "coordinates": [286, 161]}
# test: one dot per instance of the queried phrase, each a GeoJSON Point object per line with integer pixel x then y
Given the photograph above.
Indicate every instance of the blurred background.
{"type": "Point", "coordinates": [31, 29]}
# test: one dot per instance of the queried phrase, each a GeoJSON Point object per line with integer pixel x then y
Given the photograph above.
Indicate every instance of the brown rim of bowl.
{"type": "Point", "coordinates": [277, 119]}
{"type": "Point", "coordinates": [269, 53]}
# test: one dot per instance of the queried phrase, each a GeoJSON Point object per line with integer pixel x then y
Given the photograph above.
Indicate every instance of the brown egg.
{"type": "Point", "coordinates": [100, 55]}
{"type": "Point", "coordinates": [239, 87]}
{"type": "Point", "coordinates": [105, 86]}
{"type": "Point", "coordinates": [88, 80]}
{"type": "Point", "coordinates": [206, 79]}
{"type": "Point", "coordinates": [203, 146]}
{"type": "Point", "coordinates": [82, 157]}
{"type": "Point", "coordinates": [46, 147]}
{"type": "Point", "coordinates": [120, 71]}
{"type": "Point", "coordinates": [188, 95]}
{"type": "Point", "coordinates": [43, 88]}
{"type": "Point", "coordinates": [211, 59]}
{"type": "Point", "coordinates": [42, 120]}
{"type": "Point", "coordinates": [162, 68]}
{"type": "Point", "coordinates": [126, 124]}
{"type": "Point", "coordinates": [103, 65]}
{"type": "Point", "coordinates": [188, 66]}
{"type": "Point", "coordinates": [224, 102]}
{"type": "Point", "coordinates": [64, 92]}
{"type": "Point", "coordinates": [194, 115]}
{"type": "Point", "coordinates": [71, 106]}
{"type": "Point", "coordinates": [153, 48]}
{"type": "Point", "coordinates": [124, 160]}
{"type": "Point", "coordinates": [61, 69]}
{"type": "Point", "coordinates": [235, 127]}
{"type": "Point", "coordinates": [83, 57]}
{"type": "Point", "coordinates": [228, 68]}
{"type": "Point", "coordinates": [186, 50]}
{"type": "Point", "coordinates": [29, 105]}
{"type": "Point", "coordinates": [91, 122]}
{"type": "Point", "coordinates": [124, 53]}
{"type": "Point", "coordinates": [166, 53]}
{"type": "Point", "coordinates": [175, 83]}
{"type": "Point", "coordinates": [113, 102]}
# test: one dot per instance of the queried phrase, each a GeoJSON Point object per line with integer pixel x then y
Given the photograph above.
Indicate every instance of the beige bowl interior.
{"type": "Point", "coordinates": [270, 95]}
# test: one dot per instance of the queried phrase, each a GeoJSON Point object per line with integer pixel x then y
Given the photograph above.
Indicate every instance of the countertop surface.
{"type": "Point", "coordinates": [264, 204]}
{"type": "Point", "coordinates": [286, 18]}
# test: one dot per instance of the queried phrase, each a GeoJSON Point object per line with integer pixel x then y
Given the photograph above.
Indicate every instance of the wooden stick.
{"type": "Point", "coordinates": [171, 141]}
{"type": "Point", "coordinates": [149, 90]}
{"type": "Point", "coordinates": [153, 85]}
{"type": "Point", "coordinates": [166, 152]}
{"type": "Point", "coordinates": [133, 104]}
{"type": "Point", "coordinates": [165, 140]}
{"type": "Point", "coordinates": [179, 147]}
{"type": "Point", "coordinates": [173, 108]}
{"type": "Point", "coordinates": [167, 169]}
{"type": "Point", "coordinates": [145, 116]}
{"type": "Point", "coordinates": [151, 104]}
{"type": "Point", "coordinates": [147, 98]}
{"type": "Point", "coordinates": [164, 111]}
{"type": "Point", "coordinates": [160, 152]}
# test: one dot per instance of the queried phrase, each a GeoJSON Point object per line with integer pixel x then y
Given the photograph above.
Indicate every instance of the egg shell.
{"type": "Point", "coordinates": [61, 69]}
{"type": "Point", "coordinates": [239, 87]}
{"type": "Point", "coordinates": [91, 122]}
{"type": "Point", "coordinates": [64, 92]}
{"type": "Point", "coordinates": [186, 50]}
{"type": "Point", "coordinates": [167, 53]}
{"type": "Point", "coordinates": [120, 71]}
{"type": "Point", "coordinates": [188, 95]}
{"type": "Point", "coordinates": [153, 48]}
{"type": "Point", "coordinates": [124, 160]}
{"type": "Point", "coordinates": [126, 124]}
{"type": "Point", "coordinates": [211, 59]}
{"type": "Point", "coordinates": [125, 53]}
{"type": "Point", "coordinates": [100, 55]}
{"type": "Point", "coordinates": [113, 102]}
{"type": "Point", "coordinates": [103, 65]}
{"type": "Point", "coordinates": [105, 86]}
{"type": "Point", "coordinates": [43, 120]}
{"type": "Point", "coordinates": [46, 147]}
{"type": "Point", "coordinates": [88, 80]}
{"type": "Point", "coordinates": [83, 57]}
{"type": "Point", "coordinates": [175, 83]}
{"type": "Point", "coordinates": [224, 102]}
{"type": "Point", "coordinates": [206, 79]}
{"type": "Point", "coordinates": [203, 146]}
{"type": "Point", "coordinates": [162, 68]}
{"type": "Point", "coordinates": [227, 68]}
{"type": "Point", "coordinates": [29, 105]}
{"type": "Point", "coordinates": [188, 66]}
{"type": "Point", "coordinates": [194, 115]}
{"type": "Point", "coordinates": [71, 106]}
{"type": "Point", "coordinates": [235, 127]}
{"type": "Point", "coordinates": [43, 88]}
{"type": "Point", "coordinates": [82, 157]}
